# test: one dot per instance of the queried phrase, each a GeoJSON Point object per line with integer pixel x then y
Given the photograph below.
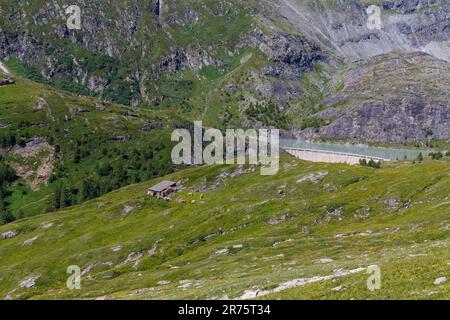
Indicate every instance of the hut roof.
{"type": "Point", "coordinates": [162, 186]}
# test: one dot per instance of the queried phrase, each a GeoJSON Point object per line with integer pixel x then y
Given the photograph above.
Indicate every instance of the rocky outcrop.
{"type": "Point", "coordinates": [407, 6]}
{"type": "Point", "coordinates": [292, 55]}
{"type": "Point", "coordinates": [41, 155]}
{"type": "Point", "coordinates": [40, 104]}
{"type": "Point", "coordinates": [5, 75]}
{"type": "Point", "coordinates": [6, 81]}
{"type": "Point", "coordinates": [8, 234]}
{"type": "Point", "coordinates": [278, 89]}
{"type": "Point", "coordinates": [29, 282]}
{"type": "Point", "coordinates": [403, 120]}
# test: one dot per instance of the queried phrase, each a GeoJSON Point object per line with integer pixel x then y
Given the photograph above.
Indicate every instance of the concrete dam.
{"type": "Point", "coordinates": [330, 156]}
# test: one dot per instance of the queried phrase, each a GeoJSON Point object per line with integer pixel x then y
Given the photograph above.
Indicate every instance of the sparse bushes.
{"type": "Point", "coordinates": [312, 123]}
{"type": "Point", "coordinates": [269, 115]}
{"type": "Point", "coordinates": [371, 163]}
{"type": "Point", "coordinates": [5, 215]}
{"type": "Point", "coordinates": [63, 196]}
{"type": "Point", "coordinates": [436, 155]}
{"type": "Point", "coordinates": [420, 157]}
{"type": "Point", "coordinates": [8, 140]}
{"type": "Point", "coordinates": [7, 176]}
{"type": "Point", "coordinates": [104, 169]}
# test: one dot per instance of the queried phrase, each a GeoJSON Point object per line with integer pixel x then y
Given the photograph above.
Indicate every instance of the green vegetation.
{"type": "Point", "coordinates": [7, 176]}
{"type": "Point", "coordinates": [85, 131]}
{"type": "Point", "coordinates": [420, 157]}
{"type": "Point", "coordinates": [245, 231]}
{"type": "Point", "coordinates": [66, 149]}
{"type": "Point", "coordinates": [312, 123]}
{"type": "Point", "coordinates": [269, 115]}
{"type": "Point", "coordinates": [121, 75]}
{"type": "Point", "coordinates": [436, 155]}
{"type": "Point", "coordinates": [371, 163]}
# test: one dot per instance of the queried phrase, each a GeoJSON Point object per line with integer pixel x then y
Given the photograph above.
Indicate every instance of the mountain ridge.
{"type": "Point", "coordinates": [229, 63]}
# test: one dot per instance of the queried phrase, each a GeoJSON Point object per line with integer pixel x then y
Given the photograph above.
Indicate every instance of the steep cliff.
{"type": "Point", "coordinates": [391, 98]}
{"type": "Point", "coordinates": [342, 25]}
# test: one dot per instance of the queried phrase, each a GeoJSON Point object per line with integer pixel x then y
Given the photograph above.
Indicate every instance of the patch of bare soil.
{"type": "Point", "coordinates": [39, 171]}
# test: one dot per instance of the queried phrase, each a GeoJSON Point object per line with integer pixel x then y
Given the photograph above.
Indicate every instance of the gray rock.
{"type": "Point", "coordinates": [29, 282]}
{"type": "Point", "coordinates": [8, 234]}
{"type": "Point", "coordinates": [314, 178]}
{"type": "Point", "coordinates": [100, 107]}
{"type": "Point", "coordinates": [221, 251]}
{"type": "Point", "coordinates": [325, 260]}
{"type": "Point", "coordinates": [6, 81]}
{"type": "Point", "coordinates": [390, 202]}
{"type": "Point", "coordinates": [440, 280]}
{"type": "Point", "coordinates": [30, 241]}
{"type": "Point", "coordinates": [40, 104]}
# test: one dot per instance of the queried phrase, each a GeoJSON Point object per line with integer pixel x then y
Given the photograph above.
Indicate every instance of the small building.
{"type": "Point", "coordinates": [162, 189]}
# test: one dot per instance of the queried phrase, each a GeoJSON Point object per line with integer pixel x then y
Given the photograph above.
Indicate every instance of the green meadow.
{"type": "Point", "coordinates": [231, 231]}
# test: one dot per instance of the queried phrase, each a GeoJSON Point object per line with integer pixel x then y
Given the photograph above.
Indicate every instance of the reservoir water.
{"type": "Point", "coordinates": [360, 149]}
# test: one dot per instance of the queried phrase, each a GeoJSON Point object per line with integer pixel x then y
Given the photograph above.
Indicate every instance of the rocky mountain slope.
{"type": "Point", "coordinates": [162, 38]}
{"type": "Point", "coordinates": [390, 98]}
{"type": "Point", "coordinates": [252, 63]}
{"type": "Point", "coordinates": [406, 25]}
{"type": "Point", "coordinates": [232, 233]}
{"type": "Point", "coordinates": [393, 93]}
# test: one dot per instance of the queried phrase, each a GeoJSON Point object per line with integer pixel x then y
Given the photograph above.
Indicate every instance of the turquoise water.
{"type": "Point", "coordinates": [360, 149]}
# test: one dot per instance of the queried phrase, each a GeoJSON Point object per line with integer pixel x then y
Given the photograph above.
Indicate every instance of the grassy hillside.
{"type": "Point", "coordinates": [241, 231]}
{"type": "Point", "coordinates": [200, 59]}
{"type": "Point", "coordinates": [66, 149]}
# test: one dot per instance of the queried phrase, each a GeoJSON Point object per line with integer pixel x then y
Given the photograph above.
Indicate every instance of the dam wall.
{"type": "Point", "coordinates": [330, 156]}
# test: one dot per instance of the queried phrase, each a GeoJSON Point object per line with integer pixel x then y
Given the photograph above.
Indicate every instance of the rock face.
{"type": "Point", "coordinates": [393, 98]}
{"type": "Point", "coordinates": [112, 34]}
{"type": "Point", "coordinates": [397, 120]}
{"type": "Point", "coordinates": [406, 25]}
{"type": "Point", "coordinates": [292, 55]}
